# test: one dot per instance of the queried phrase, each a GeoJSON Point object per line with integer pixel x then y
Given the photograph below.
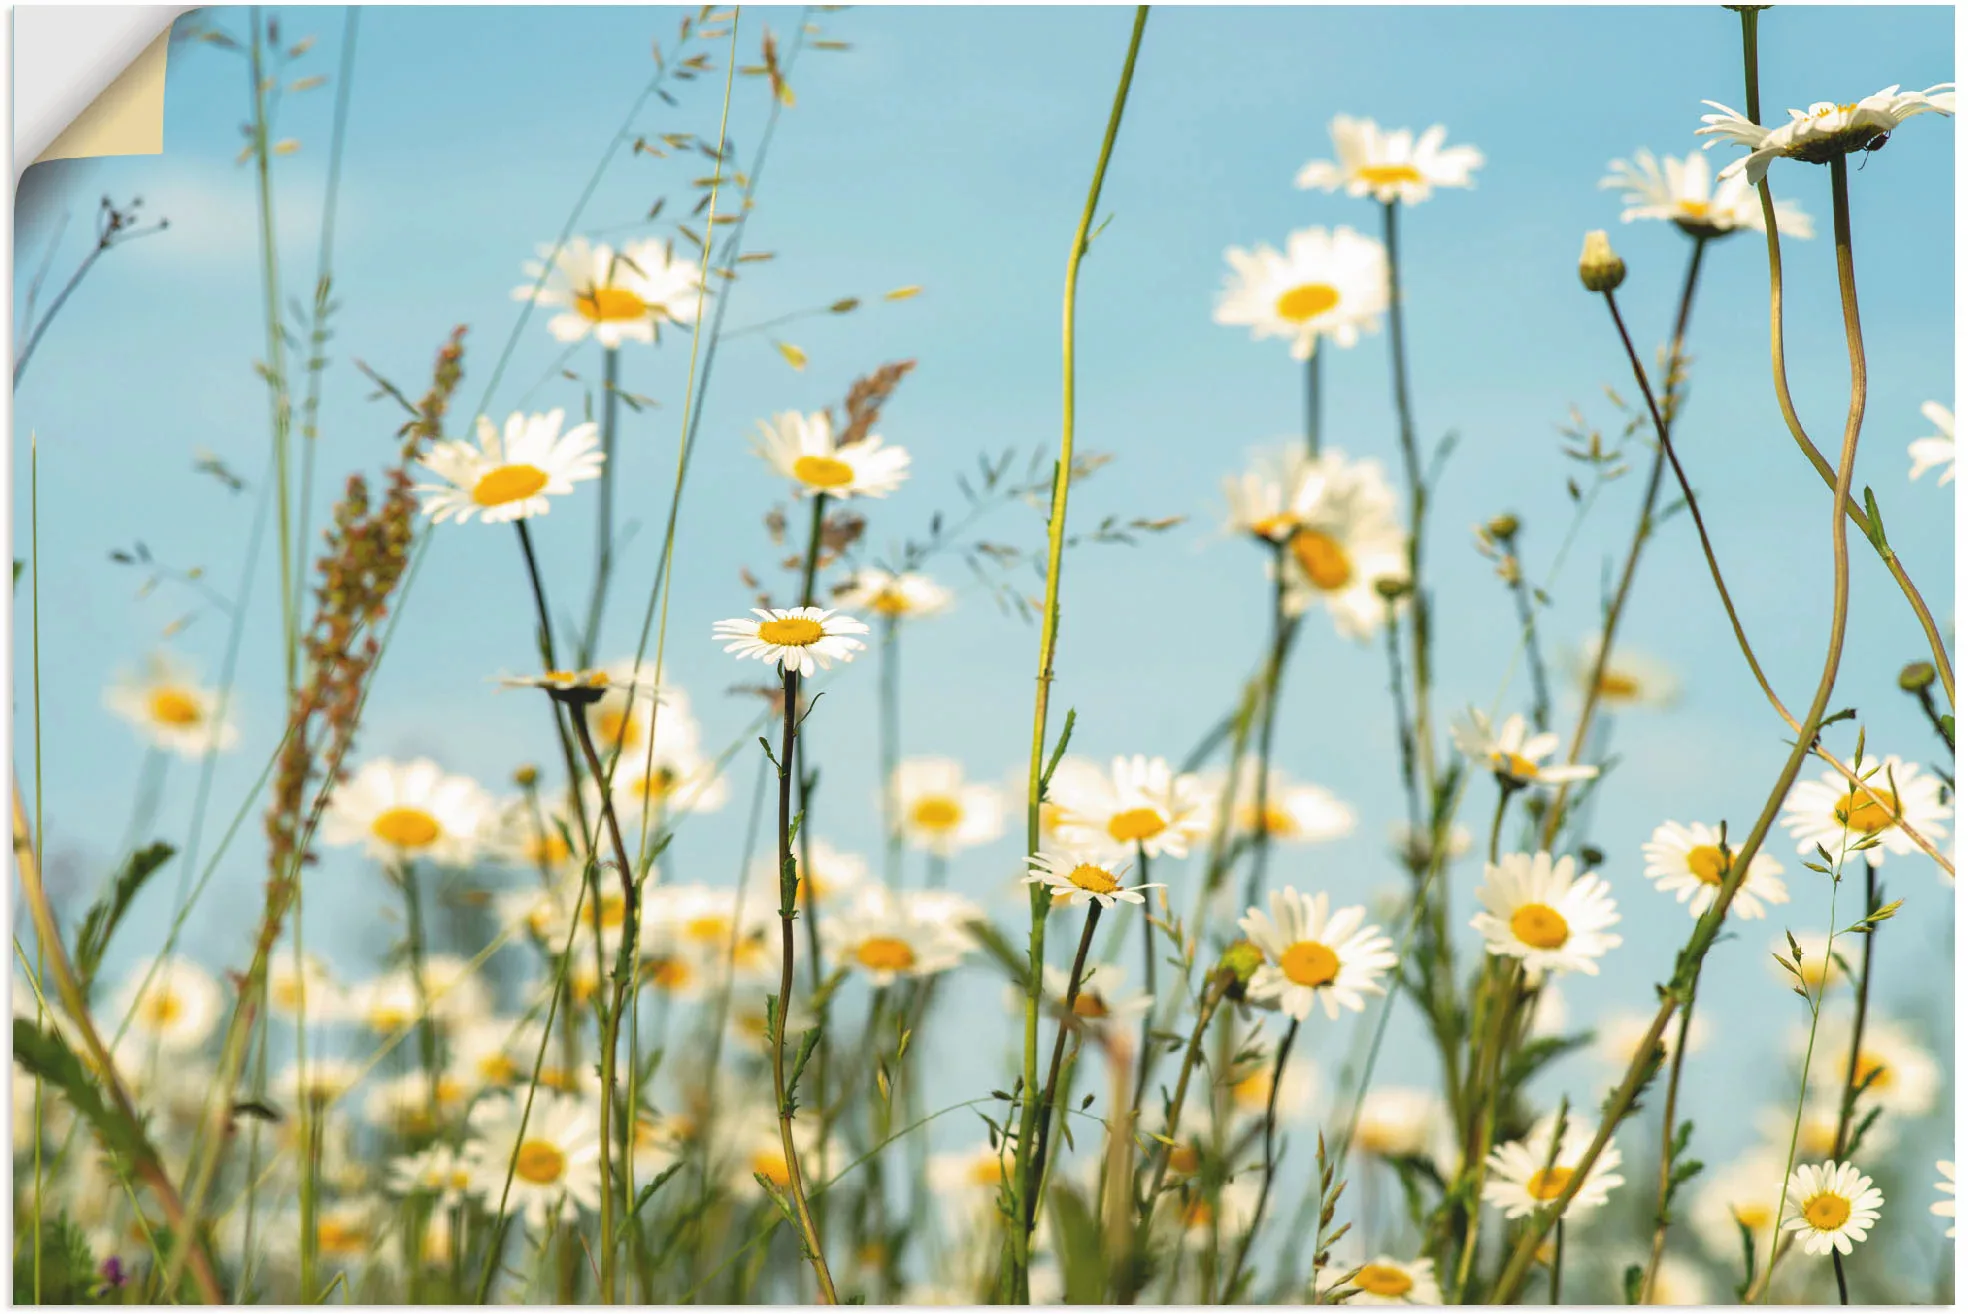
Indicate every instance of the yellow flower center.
{"type": "Point", "coordinates": [601, 305]}
{"type": "Point", "coordinates": [540, 1162]}
{"type": "Point", "coordinates": [616, 728]}
{"type": "Point", "coordinates": [611, 911]}
{"type": "Point", "coordinates": [1708, 864]}
{"type": "Point", "coordinates": [771, 1164]}
{"type": "Point", "coordinates": [340, 1239]}
{"type": "Point", "coordinates": [406, 828]}
{"type": "Point", "coordinates": [1309, 963]}
{"type": "Point", "coordinates": [175, 707]}
{"type": "Point", "coordinates": [387, 1016]}
{"type": "Point", "coordinates": [497, 1068]}
{"type": "Point", "coordinates": [936, 812]}
{"type": "Point", "coordinates": [1383, 1280]}
{"type": "Point", "coordinates": [1878, 1069]}
{"type": "Point", "coordinates": [1693, 209]}
{"type": "Point", "coordinates": [1323, 559]}
{"type": "Point", "coordinates": [890, 602]}
{"type": "Point", "coordinates": [791, 632]}
{"type": "Point", "coordinates": [1199, 1213]}
{"type": "Point", "coordinates": [1136, 824]}
{"type": "Point", "coordinates": [1865, 811]}
{"type": "Point", "coordinates": [1755, 1217]}
{"type": "Point", "coordinates": [1087, 1004]}
{"type": "Point", "coordinates": [986, 1171]}
{"type": "Point", "coordinates": [162, 1007]}
{"type": "Point", "coordinates": [1827, 1212]}
{"type": "Point", "coordinates": [1514, 765]}
{"type": "Point", "coordinates": [885, 953]}
{"type": "Point", "coordinates": [711, 928]}
{"type": "Point", "coordinates": [1546, 1183]}
{"type": "Point", "coordinates": [1384, 175]}
{"type": "Point", "coordinates": [1092, 879]}
{"type": "Point", "coordinates": [1540, 926]}
{"type": "Point", "coordinates": [823, 471]}
{"type": "Point", "coordinates": [1184, 1159]}
{"type": "Point", "coordinates": [1618, 686]}
{"type": "Point", "coordinates": [1306, 301]}
{"type": "Point", "coordinates": [508, 483]}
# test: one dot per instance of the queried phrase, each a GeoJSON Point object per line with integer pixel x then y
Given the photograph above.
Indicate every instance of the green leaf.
{"type": "Point", "coordinates": [67, 1272]}
{"type": "Point", "coordinates": [1875, 527]}
{"type": "Point", "coordinates": [46, 1055]}
{"type": "Point", "coordinates": [649, 1189]}
{"type": "Point", "coordinates": [807, 1043]}
{"type": "Point", "coordinates": [100, 922]}
{"type": "Point", "coordinates": [1630, 1283]}
{"type": "Point", "coordinates": [1081, 1254]}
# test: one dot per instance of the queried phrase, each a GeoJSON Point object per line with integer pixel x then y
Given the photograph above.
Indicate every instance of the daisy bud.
{"type": "Point", "coordinates": [526, 777]}
{"type": "Point", "coordinates": [1240, 960]}
{"type": "Point", "coordinates": [1600, 269]}
{"type": "Point", "coordinates": [1916, 676]}
{"type": "Point", "coordinates": [1504, 526]}
{"type": "Point", "coordinates": [1391, 587]}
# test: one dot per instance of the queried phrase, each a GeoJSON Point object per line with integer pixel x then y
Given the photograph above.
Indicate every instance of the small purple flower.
{"type": "Point", "coordinates": [113, 1275]}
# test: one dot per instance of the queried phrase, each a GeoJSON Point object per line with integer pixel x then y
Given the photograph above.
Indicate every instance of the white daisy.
{"type": "Point", "coordinates": [488, 1052]}
{"type": "Point", "coordinates": [290, 986]}
{"type": "Point", "coordinates": [509, 476]}
{"type": "Point", "coordinates": [1823, 132]}
{"type": "Point", "coordinates": [1690, 863]}
{"type": "Point", "coordinates": [1206, 1220]}
{"type": "Point", "coordinates": [1620, 1036]}
{"type": "Point", "coordinates": [692, 933]}
{"type": "Point", "coordinates": [437, 1170]}
{"type": "Point", "coordinates": [799, 639]}
{"type": "Point", "coordinates": [1076, 879]}
{"type": "Point", "coordinates": [1631, 679]}
{"type": "Point", "coordinates": [1139, 801]}
{"type": "Point", "coordinates": [1944, 1208]}
{"type": "Point", "coordinates": [1830, 1207]}
{"type": "Point", "coordinates": [1898, 1075]}
{"type": "Point", "coordinates": [1294, 813]}
{"type": "Point", "coordinates": [403, 1105]}
{"type": "Point", "coordinates": [825, 873]}
{"type": "Point", "coordinates": [1325, 285]}
{"type": "Point", "coordinates": [804, 450]}
{"type": "Point", "coordinates": [1385, 1280]}
{"type": "Point", "coordinates": [1818, 1126]}
{"type": "Point", "coordinates": [938, 812]}
{"type": "Point", "coordinates": [1313, 954]}
{"type": "Point", "coordinates": [554, 1161]}
{"type": "Point", "coordinates": [1936, 449]}
{"type": "Point", "coordinates": [1541, 912]}
{"type": "Point", "coordinates": [171, 709]}
{"type": "Point", "coordinates": [1250, 1087]}
{"type": "Point", "coordinates": [1413, 848]}
{"type": "Point", "coordinates": [660, 765]}
{"type": "Point", "coordinates": [1104, 998]}
{"type": "Point", "coordinates": [1743, 1193]}
{"type": "Point", "coordinates": [1818, 960]}
{"type": "Point", "coordinates": [1680, 191]}
{"type": "Point", "coordinates": [1390, 165]}
{"type": "Point", "coordinates": [178, 1007]}
{"type": "Point", "coordinates": [402, 812]}
{"type": "Point", "coordinates": [1519, 1183]}
{"type": "Point", "coordinates": [904, 596]}
{"type": "Point", "coordinates": [1513, 753]}
{"type": "Point", "coordinates": [1829, 811]}
{"type": "Point", "coordinates": [750, 1147]}
{"type": "Point", "coordinates": [1397, 1122]}
{"type": "Point", "coordinates": [322, 1082]}
{"type": "Point", "coordinates": [1677, 1281]}
{"type": "Point", "coordinates": [615, 296]}
{"type": "Point", "coordinates": [1346, 541]}
{"type": "Point", "coordinates": [1263, 499]}
{"type": "Point", "coordinates": [968, 1180]}
{"type": "Point", "coordinates": [886, 944]}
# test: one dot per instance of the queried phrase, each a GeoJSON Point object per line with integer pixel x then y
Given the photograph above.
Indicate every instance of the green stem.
{"type": "Point", "coordinates": [1848, 1102]}
{"type": "Point", "coordinates": [1066, 1019]}
{"type": "Point", "coordinates": [1017, 1269]}
{"type": "Point", "coordinates": [611, 363]}
{"type": "Point", "coordinates": [413, 910]}
{"type": "Point", "coordinates": [1667, 1148]}
{"type": "Point", "coordinates": [1312, 408]}
{"type": "Point", "coordinates": [1229, 1292]}
{"type": "Point", "coordinates": [891, 750]}
{"type": "Point", "coordinates": [1417, 494]}
{"type": "Point", "coordinates": [278, 403]}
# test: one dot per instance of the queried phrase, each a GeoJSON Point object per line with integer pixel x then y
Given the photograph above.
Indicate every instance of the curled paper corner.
{"type": "Point", "coordinates": [126, 118]}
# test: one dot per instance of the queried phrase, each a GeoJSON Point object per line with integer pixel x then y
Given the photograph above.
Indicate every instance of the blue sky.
{"type": "Point", "coordinates": [950, 148]}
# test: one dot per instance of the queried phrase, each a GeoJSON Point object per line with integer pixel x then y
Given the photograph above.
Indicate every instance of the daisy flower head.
{"type": "Point", "coordinates": [1895, 1072]}
{"type": "Point", "coordinates": [1397, 1122]}
{"type": "Point", "coordinates": [1630, 678]}
{"type": "Point", "coordinates": [1520, 1182]}
{"type": "Point", "coordinates": [553, 1153]}
{"type": "Point", "coordinates": [970, 1179]}
{"type": "Point", "coordinates": [1390, 164]}
{"type": "Point", "coordinates": [1385, 1280]}
{"type": "Point", "coordinates": [1512, 753]}
{"type": "Point", "coordinates": [1830, 1207]}
{"type": "Point", "coordinates": [802, 639]}
{"type": "Point", "coordinates": [1312, 953]}
{"type": "Point", "coordinates": [894, 596]}
{"type": "Point", "coordinates": [825, 873]}
{"type": "Point", "coordinates": [940, 812]}
{"type": "Point", "coordinates": [1140, 801]}
{"type": "Point", "coordinates": [1815, 959]}
{"type": "Point", "coordinates": [885, 942]}
{"type": "Point", "coordinates": [1205, 1217]}
{"type": "Point", "coordinates": [609, 295]}
{"type": "Point", "coordinates": [582, 688]}
{"type": "Point", "coordinates": [1104, 998]}
{"type": "Point", "coordinates": [1832, 812]}
{"type": "Point", "coordinates": [1076, 879]}
{"type": "Point", "coordinates": [1262, 499]}
{"type": "Point", "coordinates": [803, 448]}
{"type": "Point", "coordinates": [400, 812]}
{"type": "Point", "coordinates": [1293, 813]}
{"type": "Point", "coordinates": [1346, 543]}
{"type": "Point", "coordinates": [1546, 914]}
{"type": "Point", "coordinates": [1944, 1208]}
{"type": "Point", "coordinates": [176, 1008]}
{"type": "Point", "coordinates": [1325, 284]}
{"type": "Point", "coordinates": [439, 1171]}
{"type": "Point", "coordinates": [170, 709]}
{"type": "Point", "coordinates": [1691, 862]}
{"type": "Point", "coordinates": [1621, 1035]}
{"type": "Point", "coordinates": [1937, 449]}
{"type": "Point", "coordinates": [1742, 1193]}
{"type": "Point", "coordinates": [1682, 192]}
{"type": "Point", "coordinates": [509, 475]}
{"type": "Point", "coordinates": [308, 985]}
{"type": "Point", "coordinates": [1823, 132]}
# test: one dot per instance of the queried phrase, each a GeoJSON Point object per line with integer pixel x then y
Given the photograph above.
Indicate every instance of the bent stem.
{"type": "Point", "coordinates": [1014, 1286]}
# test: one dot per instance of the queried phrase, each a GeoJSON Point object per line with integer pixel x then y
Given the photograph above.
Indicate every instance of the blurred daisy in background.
{"type": "Point", "coordinates": [905, 596]}
{"type": "Point", "coordinates": [1689, 862]}
{"type": "Point", "coordinates": [1390, 164]}
{"type": "Point", "coordinates": [939, 812]}
{"type": "Point", "coordinates": [1346, 543]}
{"type": "Point", "coordinates": [1743, 1192]}
{"type": "Point", "coordinates": [1262, 500]}
{"type": "Point", "coordinates": [170, 709]}
{"type": "Point", "coordinates": [1513, 753]}
{"type": "Point", "coordinates": [1832, 812]}
{"type": "Point", "coordinates": [1326, 284]}
{"type": "Point", "coordinates": [175, 1009]}
{"type": "Point", "coordinates": [401, 812]}
{"type": "Point", "coordinates": [1937, 449]}
{"type": "Point", "coordinates": [1294, 813]}
{"type": "Point", "coordinates": [609, 295]}
{"type": "Point", "coordinates": [512, 475]}
{"type": "Point", "coordinates": [802, 448]}
{"type": "Point", "coordinates": [1383, 1280]}
{"type": "Point", "coordinates": [1139, 802]}
{"type": "Point", "coordinates": [1619, 1036]}
{"type": "Point", "coordinates": [1895, 1072]}
{"type": "Point", "coordinates": [886, 943]}
{"type": "Point", "coordinates": [1631, 678]}
{"type": "Point", "coordinates": [1681, 191]}
{"type": "Point", "coordinates": [1944, 1208]}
